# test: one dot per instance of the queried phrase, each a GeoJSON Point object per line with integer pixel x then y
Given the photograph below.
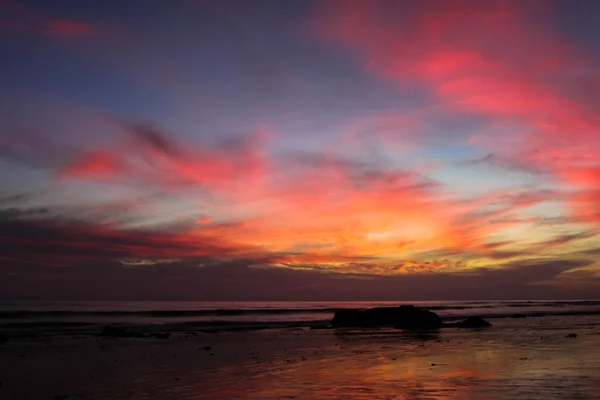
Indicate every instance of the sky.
{"type": "Point", "coordinates": [299, 150]}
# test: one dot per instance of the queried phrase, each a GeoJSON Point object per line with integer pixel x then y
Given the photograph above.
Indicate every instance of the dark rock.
{"type": "Point", "coordinates": [473, 322]}
{"type": "Point", "coordinates": [60, 397]}
{"type": "Point", "coordinates": [207, 348]}
{"type": "Point", "coordinates": [165, 335]}
{"type": "Point", "coordinates": [571, 335]}
{"type": "Point", "coordinates": [3, 338]}
{"type": "Point", "coordinates": [403, 317]}
{"type": "Point", "coordinates": [418, 318]}
{"type": "Point", "coordinates": [320, 327]}
{"type": "Point", "coordinates": [519, 316]}
{"type": "Point", "coordinates": [115, 332]}
{"type": "Point", "coordinates": [433, 364]}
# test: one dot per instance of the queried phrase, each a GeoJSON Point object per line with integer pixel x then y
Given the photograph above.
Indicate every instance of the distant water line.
{"type": "Point", "coordinates": [59, 318]}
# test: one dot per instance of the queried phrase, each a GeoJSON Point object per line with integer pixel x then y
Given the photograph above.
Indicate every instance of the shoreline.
{"type": "Point", "coordinates": [24, 328]}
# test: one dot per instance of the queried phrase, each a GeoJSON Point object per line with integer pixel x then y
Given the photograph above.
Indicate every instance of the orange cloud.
{"type": "Point", "coordinates": [309, 208]}
{"type": "Point", "coordinates": [204, 220]}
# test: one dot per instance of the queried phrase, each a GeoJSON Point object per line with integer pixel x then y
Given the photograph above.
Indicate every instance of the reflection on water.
{"type": "Point", "coordinates": [516, 359]}
{"type": "Point", "coordinates": [494, 364]}
{"type": "Point", "coordinates": [375, 334]}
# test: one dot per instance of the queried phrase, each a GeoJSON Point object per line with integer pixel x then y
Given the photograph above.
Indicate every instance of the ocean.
{"type": "Point", "coordinates": [267, 350]}
{"type": "Point", "coordinates": [76, 318]}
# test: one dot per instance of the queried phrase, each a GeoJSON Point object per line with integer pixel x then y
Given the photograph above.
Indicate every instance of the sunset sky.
{"type": "Point", "coordinates": [299, 150]}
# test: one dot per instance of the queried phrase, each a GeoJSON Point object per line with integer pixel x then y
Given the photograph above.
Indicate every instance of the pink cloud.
{"type": "Point", "coordinates": [497, 59]}
{"type": "Point", "coordinates": [100, 163]}
{"type": "Point", "coordinates": [154, 159]}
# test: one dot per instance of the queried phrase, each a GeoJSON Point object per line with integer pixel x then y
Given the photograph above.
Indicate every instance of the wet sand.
{"type": "Point", "coordinates": [515, 359]}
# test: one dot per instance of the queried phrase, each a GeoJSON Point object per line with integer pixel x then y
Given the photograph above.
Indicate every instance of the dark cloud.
{"type": "Point", "coordinates": [52, 257]}
{"type": "Point", "coordinates": [52, 241]}
{"type": "Point", "coordinates": [12, 199]}
{"type": "Point", "coordinates": [18, 16]}
{"type": "Point", "coordinates": [528, 269]}
{"type": "Point", "coordinates": [152, 137]}
{"type": "Point", "coordinates": [370, 172]}
{"type": "Point", "coordinates": [213, 279]}
{"type": "Point", "coordinates": [515, 164]}
{"type": "Point", "coordinates": [595, 252]}
{"type": "Point", "coordinates": [316, 160]}
{"type": "Point", "coordinates": [31, 149]}
{"type": "Point", "coordinates": [504, 254]}
{"type": "Point", "coordinates": [16, 213]}
{"type": "Point", "coordinates": [568, 238]}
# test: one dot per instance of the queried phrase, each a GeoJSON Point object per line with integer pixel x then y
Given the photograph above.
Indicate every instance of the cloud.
{"type": "Point", "coordinates": [21, 17]}
{"type": "Point", "coordinates": [594, 252]}
{"type": "Point", "coordinates": [585, 199]}
{"type": "Point", "coordinates": [507, 163]}
{"type": "Point", "coordinates": [500, 61]}
{"type": "Point", "coordinates": [330, 223]}
{"type": "Point", "coordinates": [496, 79]}
{"type": "Point", "coordinates": [327, 208]}
{"type": "Point", "coordinates": [239, 279]}
{"type": "Point", "coordinates": [568, 238]}
{"type": "Point", "coordinates": [151, 157]}
{"type": "Point", "coordinates": [37, 237]}
{"type": "Point", "coordinates": [66, 28]}
{"type": "Point", "coordinates": [28, 148]}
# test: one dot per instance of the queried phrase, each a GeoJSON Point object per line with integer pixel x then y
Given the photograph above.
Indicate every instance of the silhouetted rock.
{"type": "Point", "coordinates": [571, 335]}
{"type": "Point", "coordinates": [115, 331]}
{"type": "Point", "coordinates": [403, 317]}
{"type": "Point", "coordinates": [320, 326]}
{"type": "Point", "coordinates": [112, 331]}
{"type": "Point", "coordinates": [473, 322]}
{"type": "Point", "coordinates": [519, 316]}
{"type": "Point", "coordinates": [165, 335]}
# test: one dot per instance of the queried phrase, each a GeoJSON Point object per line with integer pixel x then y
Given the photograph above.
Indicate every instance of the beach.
{"type": "Point", "coordinates": [516, 358]}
